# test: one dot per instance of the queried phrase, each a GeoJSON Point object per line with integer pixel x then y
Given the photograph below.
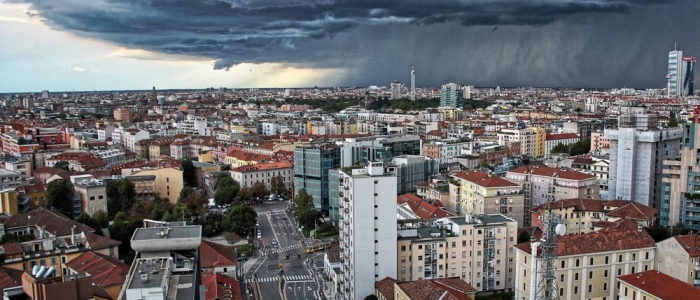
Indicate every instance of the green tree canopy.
{"type": "Point", "coordinates": [62, 165]}
{"type": "Point", "coordinates": [523, 237]}
{"type": "Point", "coordinates": [673, 123]}
{"type": "Point", "coordinates": [259, 190]}
{"type": "Point", "coordinates": [580, 147]}
{"type": "Point", "coordinates": [226, 194]}
{"type": "Point", "coordinates": [679, 229]}
{"type": "Point", "coordinates": [304, 210]}
{"type": "Point", "coordinates": [121, 195]}
{"type": "Point", "coordinates": [59, 195]}
{"type": "Point", "coordinates": [277, 185]}
{"type": "Point", "coordinates": [241, 220]}
{"type": "Point", "coordinates": [189, 172]}
{"type": "Point", "coordinates": [560, 148]}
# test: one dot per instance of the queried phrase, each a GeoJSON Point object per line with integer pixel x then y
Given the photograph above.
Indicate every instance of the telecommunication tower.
{"type": "Point", "coordinates": [413, 84]}
{"type": "Point", "coordinates": [543, 286]}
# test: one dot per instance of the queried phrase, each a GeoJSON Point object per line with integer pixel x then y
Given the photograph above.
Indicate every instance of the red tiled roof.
{"type": "Point", "coordinates": [97, 241]}
{"type": "Point", "coordinates": [220, 287]}
{"type": "Point", "coordinates": [661, 285]}
{"type": "Point", "coordinates": [51, 221]}
{"type": "Point", "coordinates": [484, 179]}
{"type": "Point", "coordinates": [422, 208]}
{"type": "Point", "coordinates": [602, 241]}
{"type": "Point", "coordinates": [583, 161]}
{"type": "Point", "coordinates": [31, 189]}
{"type": "Point", "coordinates": [215, 254]}
{"type": "Point", "coordinates": [553, 172]}
{"type": "Point", "coordinates": [444, 289]}
{"type": "Point", "coordinates": [105, 270]}
{"type": "Point", "coordinates": [577, 204]}
{"type": "Point", "coordinates": [634, 210]}
{"type": "Point", "coordinates": [690, 243]}
{"type": "Point", "coordinates": [49, 170]}
{"type": "Point", "coordinates": [263, 166]}
{"type": "Point", "coordinates": [386, 287]}
{"type": "Point", "coordinates": [562, 136]}
{"type": "Point", "coordinates": [9, 278]}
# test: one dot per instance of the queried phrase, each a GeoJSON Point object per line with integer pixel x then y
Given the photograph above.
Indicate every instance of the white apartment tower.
{"type": "Point", "coordinates": [395, 90]}
{"type": "Point", "coordinates": [637, 151]}
{"type": "Point", "coordinates": [368, 232]}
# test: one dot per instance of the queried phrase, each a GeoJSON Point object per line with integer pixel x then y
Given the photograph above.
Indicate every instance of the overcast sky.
{"type": "Point", "coordinates": [137, 44]}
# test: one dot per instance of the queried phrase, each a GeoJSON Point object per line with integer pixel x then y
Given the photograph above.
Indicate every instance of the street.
{"type": "Point", "coordinates": [281, 255]}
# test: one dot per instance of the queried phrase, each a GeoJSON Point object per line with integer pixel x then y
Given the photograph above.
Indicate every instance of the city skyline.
{"type": "Point", "coordinates": [126, 46]}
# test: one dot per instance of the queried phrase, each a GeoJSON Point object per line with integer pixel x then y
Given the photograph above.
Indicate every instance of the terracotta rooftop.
{"type": "Point", "coordinates": [215, 254]}
{"type": "Point", "coordinates": [661, 285]}
{"type": "Point", "coordinates": [443, 289]}
{"type": "Point", "coordinates": [602, 241]}
{"type": "Point", "coordinates": [690, 243]}
{"type": "Point", "coordinates": [105, 270]}
{"type": "Point", "coordinates": [263, 166]}
{"type": "Point", "coordinates": [9, 278]}
{"type": "Point", "coordinates": [219, 286]}
{"type": "Point", "coordinates": [423, 209]}
{"type": "Point", "coordinates": [553, 172]}
{"type": "Point", "coordinates": [634, 210]}
{"type": "Point", "coordinates": [51, 221]}
{"type": "Point", "coordinates": [386, 287]}
{"type": "Point", "coordinates": [484, 179]}
{"type": "Point", "coordinates": [562, 136]}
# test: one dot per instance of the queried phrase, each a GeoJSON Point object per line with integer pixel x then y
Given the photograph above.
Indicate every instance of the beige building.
{"type": "Point", "coordinates": [654, 285]}
{"type": "Point", "coordinates": [123, 114]}
{"type": "Point", "coordinates": [93, 193]}
{"type": "Point", "coordinates": [168, 182]}
{"type": "Point", "coordinates": [263, 172]}
{"type": "Point", "coordinates": [679, 257]}
{"type": "Point", "coordinates": [590, 215]}
{"type": "Point", "coordinates": [526, 137]}
{"type": "Point", "coordinates": [144, 186]}
{"type": "Point", "coordinates": [478, 250]}
{"type": "Point", "coordinates": [598, 141]}
{"type": "Point", "coordinates": [484, 193]}
{"type": "Point", "coordinates": [587, 264]}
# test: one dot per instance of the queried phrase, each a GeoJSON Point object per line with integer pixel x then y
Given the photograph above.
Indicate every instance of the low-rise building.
{"type": "Point", "coordinates": [444, 288]}
{"type": "Point", "coordinates": [168, 181]}
{"type": "Point", "coordinates": [93, 194]}
{"type": "Point", "coordinates": [654, 285]}
{"type": "Point", "coordinates": [586, 264]}
{"type": "Point", "coordinates": [263, 172]}
{"type": "Point", "coordinates": [566, 139]}
{"type": "Point", "coordinates": [9, 179]}
{"type": "Point", "coordinates": [679, 257]}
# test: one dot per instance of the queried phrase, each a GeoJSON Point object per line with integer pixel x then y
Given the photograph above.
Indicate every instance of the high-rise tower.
{"type": "Point", "coordinates": [413, 84]}
{"type": "Point", "coordinates": [680, 74]}
{"type": "Point", "coordinates": [688, 75]}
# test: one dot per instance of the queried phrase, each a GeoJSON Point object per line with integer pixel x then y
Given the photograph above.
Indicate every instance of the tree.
{"type": "Point", "coordinates": [240, 220]}
{"type": "Point", "coordinates": [371, 297]}
{"type": "Point", "coordinates": [189, 172]}
{"type": "Point", "coordinates": [59, 195]}
{"type": "Point", "coordinates": [259, 190]}
{"type": "Point", "coordinates": [184, 193]}
{"type": "Point", "coordinates": [303, 203]}
{"type": "Point", "coordinates": [580, 147]}
{"type": "Point", "coordinates": [225, 195]}
{"type": "Point", "coordinates": [673, 123]}
{"type": "Point", "coordinates": [224, 179]}
{"type": "Point", "coordinates": [21, 141]}
{"type": "Point", "coordinates": [524, 236]}
{"type": "Point", "coordinates": [277, 185]}
{"type": "Point", "coordinates": [679, 229]}
{"type": "Point", "coordinates": [560, 148]}
{"type": "Point", "coordinates": [121, 195]}
{"type": "Point", "coordinates": [657, 233]}
{"type": "Point", "coordinates": [244, 194]}
{"type": "Point", "coordinates": [121, 230]}
{"type": "Point", "coordinates": [62, 165]}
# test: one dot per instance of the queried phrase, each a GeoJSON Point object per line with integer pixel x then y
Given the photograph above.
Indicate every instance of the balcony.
{"type": "Point", "coordinates": [696, 282]}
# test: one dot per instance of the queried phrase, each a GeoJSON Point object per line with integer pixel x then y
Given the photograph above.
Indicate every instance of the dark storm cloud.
{"type": "Point", "coordinates": [375, 38]}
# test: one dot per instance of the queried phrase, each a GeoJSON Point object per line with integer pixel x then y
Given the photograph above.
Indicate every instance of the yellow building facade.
{"type": "Point", "coordinates": [540, 141]}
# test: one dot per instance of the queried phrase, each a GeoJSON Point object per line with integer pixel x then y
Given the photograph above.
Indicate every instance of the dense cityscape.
{"type": "Point", "coordinates": [380, 192]}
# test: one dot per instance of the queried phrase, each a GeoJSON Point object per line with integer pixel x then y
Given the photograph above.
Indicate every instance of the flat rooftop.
{"type": "Point", "coordinates": [154, 269]}
{"type": "Point", "coordinates": [175, 232]}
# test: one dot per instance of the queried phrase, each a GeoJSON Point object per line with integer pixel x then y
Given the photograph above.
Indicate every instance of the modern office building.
{"type": "Point", "coordinates": [311, 166]}
{"type": "Point", "coordinates": [688, 76]}
{"type": "Point", "coordinates": [368, 229]}
{"type": "Point", "coordinates": [412, 170]}
{"type": "Point", "coordinates": [413, 84]}
{"type": "Point", "coordinates": [382, 148]}
{"type": "Point", "coordinates": [680, 76]}
{"type": "Point", "coordinates": [451, 95]}
{"type": "Point", "coordinates": [475, 249]}
{"type": "Point", "coordinates": [680, 199]}
{"type": "Point", "coordinates": [638, 149]}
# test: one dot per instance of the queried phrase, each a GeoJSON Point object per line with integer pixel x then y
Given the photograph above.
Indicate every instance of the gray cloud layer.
{"type": "Point", "coordinates": [538, 42]}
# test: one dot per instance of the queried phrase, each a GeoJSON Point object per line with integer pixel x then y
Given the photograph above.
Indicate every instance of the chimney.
{"type": "Point", "coordinates": [72, 235]}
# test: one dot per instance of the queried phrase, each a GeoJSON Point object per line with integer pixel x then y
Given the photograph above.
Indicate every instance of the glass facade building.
{"type": "Point", "coordinates": [311, 165]}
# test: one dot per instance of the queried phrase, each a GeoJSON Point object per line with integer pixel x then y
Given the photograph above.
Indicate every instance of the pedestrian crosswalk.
{"type": "Point", "coordinates": [277, 278]}
{"type": "Point", "coordinates": [274, 212]}
{"type": "Point", "coordinates": [285, 249]}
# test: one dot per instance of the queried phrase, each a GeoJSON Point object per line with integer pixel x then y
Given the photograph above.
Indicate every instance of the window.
{"type": "Point", "coordinates": [403, 248]}
{"type": "Point", "coordinates": [575, 290]}
{"type": "Point", "coordinates": [563, 264]}
{"type": "Point", "coordinates": [576, 276]}
{"type": "Point", "coordinates": [590, 288]}
{"type": "Point", "coordinates": [53, 260]}
{"type": "Point", "coordinates": [619, 271]}
{"type": "Point", "coordinates": [561, 278]}
{"type": "Point", "coordinates": [591, 261]}
{"type": "Point", "coordinates": [167, 179]}
{"type": "Point", "coordinates": [605, 273]}
{"type": "Point", "coordinates": [577, 262]}
{"type": "Point", "coordinates": [605, 286]}
{"type": "Point", "coordinates": [646, 255]}
{"type": "Point", "coordinates": [420, 257]}
{"type": "Point", "coordinates": [619, 258]}
{"type": "Point", "coordinates": [606, 260]}
{"type": "Point", "coordinates": [634, 257]}
{"type": "Point", "coordinates": [590, 275]}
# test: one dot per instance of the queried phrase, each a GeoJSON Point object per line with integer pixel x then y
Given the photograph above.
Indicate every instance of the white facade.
{"type": "Point", "coordinates": [269, 128]}
{"type": "Point", "coordinates": [249, 175]}
{"type": "Point", "coordinates": [637, 152]}
{"type": "Point", "coordinates": [368, 230]}
{"type": "Point", "coordinates": [105, 132]}
{"type": "Point", "coordinates": [674, 86]}
{"type": "Point", "coordinates": [130, 139]}
{"type": "Point", "coordinates": [526, 137]}
{"type": "Point", "coordinates": [192, 125]}
{"type": "Point", "coordinates": [550, 144]}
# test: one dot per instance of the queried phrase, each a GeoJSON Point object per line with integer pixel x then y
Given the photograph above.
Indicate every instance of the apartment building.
{"type": "Point", "coordinates": [540, 141]}
{"type": "Point", "coordinates": [590, 215]}
{"type": "Point", "coordinates": [638, 149]}
{"type": "Point", "coordinates": [168, 181]}
{"type": "Point", "coordinates": [368, 229]}
{"type": "Point", "coordinates": [144, 186]}
{"type": "Point", "coordinates": [93, 194]}
{"type": "Point", "coordinates": [598, 141]}
{"type": "Point", "coordinates": [680, 189]}
{"type": "Point", "coordinates": [443, 151]}
{"type": "Point", "coordinates": [653, 284]}
{"type": "Point", "coordinates": [526, 137]}
{"type": "Point", "coordinates": [478, 250]}
{"type": "Point", "coordinates": [586, 264]}
{"type": "Point", "coordinates": [679, 257]}
{"type": "Point", "coordinates": [484, 193]}
{"type": "Point", "coordinates": [9, 179]}
{"type": "Point", "coordinates": [544, 184]}
{"type": "Point", "coordinates": [264, 172]}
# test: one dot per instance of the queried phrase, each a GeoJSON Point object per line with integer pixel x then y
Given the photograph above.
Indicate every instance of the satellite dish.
{"type": "Point", "coordinates": [560, 229]}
